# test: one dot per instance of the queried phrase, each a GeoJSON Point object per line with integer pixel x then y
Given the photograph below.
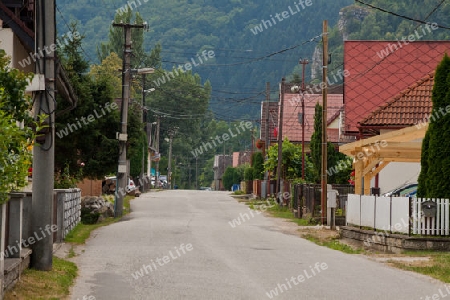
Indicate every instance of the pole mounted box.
{"type": "Point", "coordinates": [122, 137]}
{"type": "Point", "coordinates": [122, 169]}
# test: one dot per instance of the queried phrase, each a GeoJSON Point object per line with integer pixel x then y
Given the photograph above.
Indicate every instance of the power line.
{"type": "Point", "coordinates": [403, 16]}
{"type": "Point", "coordinates": [68, 27]}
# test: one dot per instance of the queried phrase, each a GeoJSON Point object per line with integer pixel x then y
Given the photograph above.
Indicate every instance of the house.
{"type": "Point", "coordinates": [221, 163]}
{"type": "Point", "coordinates": [292, 113]}
{"type": "Point", "coordinates": [380, 70]}
{"type": "Point", "coordinates": [241, 158]}
{"type": "Point", "coordinates": [400, 125]}
{"type": "Point", "coordinates": [388, 90]}
{"type": "Point", "coordinates": [269, 114]}
{"type": "Point", "coordinates": [17, 39]}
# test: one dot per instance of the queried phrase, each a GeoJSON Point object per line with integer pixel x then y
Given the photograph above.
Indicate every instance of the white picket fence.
{"type": "Point", "coordinates": [398, 214]}
{"type": "Point", "coordinates": [438, 225]}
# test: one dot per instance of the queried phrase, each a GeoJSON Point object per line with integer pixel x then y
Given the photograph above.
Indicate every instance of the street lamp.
{"type": "Point", "coordinates": [297, 89]}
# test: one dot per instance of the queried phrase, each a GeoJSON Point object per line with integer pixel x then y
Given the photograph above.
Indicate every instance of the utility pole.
{"type": "Point", "coordinates": [280, 140]}
{"type": "Point", "coordinates": [150, 143]}
{"type": "Point", "coordinates": [144, 150]}
{"type": "Point", "coordinates": [122, 172]}
{"type": "Point", "coordinates": [303, 62]}
{"type": "Point", "coordinates": [266, 137]}
{"type": "Point", "coordinates": [158, 123]}
{"type": "Point", "coordinates": [44, 150]}
{"type": "Point", "coordinates": [223, 165]}
{"type": "Point", "coordinates": [266, 133]}
{"type": "Point", "coordinates": [169, 165]}
{"type": "Point", "coordinates": [189, 168]}
{"type": "Point", "coordinates": [196, 172]}
{"type": "Point", "coordinates": [324, 123]}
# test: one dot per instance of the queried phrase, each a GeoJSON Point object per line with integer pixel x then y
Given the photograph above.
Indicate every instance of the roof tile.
{"type": "Point", "coordinates": [376, 78]}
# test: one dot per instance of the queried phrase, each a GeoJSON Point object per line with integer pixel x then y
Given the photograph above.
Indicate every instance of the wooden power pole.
{"type": "Point", "coordinates": [267, 137]}
{"type": "Point", "coordinates": [324, 122]}
{"type": "Point", "coordinates": [280, 141]}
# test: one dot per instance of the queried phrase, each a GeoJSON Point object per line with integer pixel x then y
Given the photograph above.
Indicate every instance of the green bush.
{"type": "Point", "coordinates": [248, 173]}
{"type": "Point", "coordinates": [258, 165]}
{"type": "Point", "coordinates": [15, 142]}
{"type": "Point", "coordinates": [227, 178]}
{"type": "Point", "coordinates": [87, 217]}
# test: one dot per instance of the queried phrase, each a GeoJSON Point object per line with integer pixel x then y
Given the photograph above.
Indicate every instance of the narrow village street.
{"type": "Point", "coordinates": [181, 245]}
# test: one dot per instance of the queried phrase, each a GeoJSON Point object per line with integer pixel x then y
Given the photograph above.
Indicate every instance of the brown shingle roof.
{"type": "Point", "coordinates": [405, 109]}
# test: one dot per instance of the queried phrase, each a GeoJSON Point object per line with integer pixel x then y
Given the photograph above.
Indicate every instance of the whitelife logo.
{"type": "Point", "coordinates": [301, 5]}
{"type": "Point", "coordinates": [86, 120]}
{"type": "Point", "coordinates": [183, 68]}
{"type": "Point", "coordinates": [147, 269]}
{"type": "Point", "coordinates": [225, 137]}
{"type": "Point", "coordinates": [37, 236]}
{"type": "Point", "coordinates": [391, 48]}
{"type": "Point", "coordinates": [69, 36]}
{"type": "Point", "coordinates": [281, 287]}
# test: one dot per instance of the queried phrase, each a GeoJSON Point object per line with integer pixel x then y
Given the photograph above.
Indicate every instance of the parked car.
{"type": "Point", "coordinates": [405, 190]}
{"type": "Point", "coordinates": [109, 185]}
{"type": "Point", "coordinates": [130, 186]}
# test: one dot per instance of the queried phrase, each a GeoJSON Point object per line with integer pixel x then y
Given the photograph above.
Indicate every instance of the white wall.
{"type": "Point", "coordinates": [396, 174]}
{"type": "Point", "coordinates": [12, 46]}
{"type": "Point", "coordinates": [6, 40]}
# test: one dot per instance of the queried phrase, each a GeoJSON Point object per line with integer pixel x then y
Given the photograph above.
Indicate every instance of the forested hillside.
{"type": "Point", "coordinates": [362, 22]}
{"type": "Point", "coordinates": [242, 63]}
{"type": "Point", "coordinates": [253, 42]}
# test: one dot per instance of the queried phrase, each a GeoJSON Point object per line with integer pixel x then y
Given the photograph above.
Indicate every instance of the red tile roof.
{"type": "Point", "coordinates": [374, 80]}
{"type": "Point", "coordinates": [292, 129]}
{"type": "Point", "coordinates": [408, 108]}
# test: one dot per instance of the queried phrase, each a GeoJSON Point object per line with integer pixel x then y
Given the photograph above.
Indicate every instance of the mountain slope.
{"type": "Point", "coordinates": [243, 62]}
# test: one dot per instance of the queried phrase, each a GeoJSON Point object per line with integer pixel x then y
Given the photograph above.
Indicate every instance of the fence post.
{"type": "Point", "coordinates": [15, 224]}
{"type": "Point", "coordinates": [26, 225]}
{"type": "Point", "coordinates": [59, 216]}
{"type": "Point", "coordinates": [2, 247]}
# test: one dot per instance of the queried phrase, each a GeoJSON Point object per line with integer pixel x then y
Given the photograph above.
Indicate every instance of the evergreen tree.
{"type": "Point", "coordinates": [334, 157]}
{"type": "Point", "coordinates": [435, 159]}
{"type": "Point", "coordinates": [228, 178]}
{"type": "Point", "coordinates": [316, 143]}
{"type": "Point", "coordinates": [85, 142]}
{"type": "Point", "coordinates": [258, 165]}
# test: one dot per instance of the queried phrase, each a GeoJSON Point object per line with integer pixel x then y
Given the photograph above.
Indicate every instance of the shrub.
{"type": "Point", "coordinates": [87, 217]}
{"type": "Point", "coordinates": [248, 173]}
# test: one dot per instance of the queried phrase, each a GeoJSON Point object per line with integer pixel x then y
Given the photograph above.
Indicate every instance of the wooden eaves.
{"type": "Point", "coordinates": [373, 154]}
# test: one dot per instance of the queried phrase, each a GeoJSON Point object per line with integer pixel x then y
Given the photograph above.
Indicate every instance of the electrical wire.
{"type": "Point", "coordinates": [71, 30]}
{"type": "Point", "coordinates": [403, 16]}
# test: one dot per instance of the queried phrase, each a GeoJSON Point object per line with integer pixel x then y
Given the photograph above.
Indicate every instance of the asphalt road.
{"type": "Point", "coordinates": [190, 251]}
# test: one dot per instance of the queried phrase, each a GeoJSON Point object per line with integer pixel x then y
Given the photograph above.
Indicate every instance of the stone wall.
{"type": "Point", "coordinates": [395, 243]}
{"type": "Point", "coordinates": [68, 211]}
